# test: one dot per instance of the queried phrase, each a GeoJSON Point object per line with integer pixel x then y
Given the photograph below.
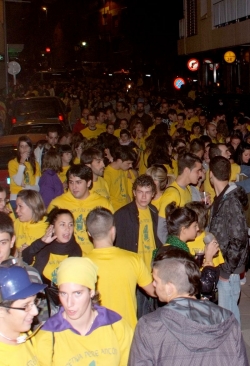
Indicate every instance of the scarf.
{"type": "Point", "coordinates": [176, 242]}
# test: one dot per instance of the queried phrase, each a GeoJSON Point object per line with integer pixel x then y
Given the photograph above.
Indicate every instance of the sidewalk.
{"type": "Point", "coordinates": [245, 313]}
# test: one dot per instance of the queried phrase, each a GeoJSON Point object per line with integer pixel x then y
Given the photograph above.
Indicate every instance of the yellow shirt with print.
{"type": "Point", "coordinates": [53, 263]}
{"type": "Point", "coordinates": [118, 266]}
{"type": "Point", "coordinates": [101, 126]}
{"type": "Point", "coordinates": [19, 354]}
{"type": "Point", "coordinates": [174, 193]}
{"type": "Point", "coordinates": [27, 232]}
{"type": "Point", "coordinates": [91, 134]}
{"type": "Point", "coordinates": [80, 209]}
{"type": "Point", "coordinates": [199, 243]}
{"type": "Point", "coordinates": [29, 178]}
{"type": "Point", "coordinates": [117, 183]}
{"type": "Point", "coordinates": [131, 177]}
{"type": "Point", "coordinates": [107, 345]}
{"type": "Point", "coordinates": [101, 187]}
{"type": "Point", "coordinates": [157, 202]}
{"type": "Point", "coordinates": [146, 243]}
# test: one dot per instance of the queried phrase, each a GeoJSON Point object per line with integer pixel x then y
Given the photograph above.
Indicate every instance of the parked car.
{"type": "Point", "coordinates": [37, 110]}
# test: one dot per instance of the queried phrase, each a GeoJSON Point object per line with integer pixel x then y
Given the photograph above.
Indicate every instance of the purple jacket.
{"type": "Point", "coordinates": [50, 186]}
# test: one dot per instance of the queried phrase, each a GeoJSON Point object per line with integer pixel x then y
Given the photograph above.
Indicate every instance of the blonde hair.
{"type": "Point", "coordinates": [160, 174]}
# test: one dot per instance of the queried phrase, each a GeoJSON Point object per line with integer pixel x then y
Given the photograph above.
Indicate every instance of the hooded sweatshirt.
{"type": "Point", "coordinates": [188, 332]}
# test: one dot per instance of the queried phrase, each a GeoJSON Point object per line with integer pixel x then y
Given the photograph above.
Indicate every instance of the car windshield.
{"type": "Point", "coordinates": [32, 109]}
{"type": "Point", "coordinates": [37, 128]}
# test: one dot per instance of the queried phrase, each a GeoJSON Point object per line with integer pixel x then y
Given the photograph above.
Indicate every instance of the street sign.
{"type": "Point", "coordinates": [229, 57]}
{"type": "Point", "coordinates": [178, 82]}
{"type": "Point", "coordinates": [193, 64]}
{"type": "Point", "coordinates": [13, 69]}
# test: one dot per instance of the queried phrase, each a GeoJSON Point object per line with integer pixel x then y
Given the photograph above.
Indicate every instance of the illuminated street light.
{"type": "Point", "coordinates": [84, 44]}
{"type": "Point", "coordinates": [44, 8]}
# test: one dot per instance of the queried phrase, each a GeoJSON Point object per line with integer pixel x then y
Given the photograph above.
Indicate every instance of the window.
{"type": "Point", "coordinates": [191, 18]}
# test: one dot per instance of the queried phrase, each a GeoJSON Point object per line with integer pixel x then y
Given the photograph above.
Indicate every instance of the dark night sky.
{"type": "Point", "coordinates": [152, 28]}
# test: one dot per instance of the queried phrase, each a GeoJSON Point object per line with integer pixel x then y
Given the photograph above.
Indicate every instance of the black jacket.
{"type": "Point", "coordinates": [228, 224]}
{"type": "Point", "coordinates": [127, 226]}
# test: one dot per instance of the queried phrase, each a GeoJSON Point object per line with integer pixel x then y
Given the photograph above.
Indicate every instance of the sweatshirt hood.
{"type": "Point", "coordinates": [238, 192]}
{"type": "Point", "coordinates": [198, 325]}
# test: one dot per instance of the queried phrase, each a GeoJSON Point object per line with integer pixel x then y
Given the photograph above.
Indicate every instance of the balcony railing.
{"type": "Point", "coordinates": [229, 11]}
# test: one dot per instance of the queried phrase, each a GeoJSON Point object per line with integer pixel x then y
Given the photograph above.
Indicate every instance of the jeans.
{"type": "Point", "coordinates": [229, 293]}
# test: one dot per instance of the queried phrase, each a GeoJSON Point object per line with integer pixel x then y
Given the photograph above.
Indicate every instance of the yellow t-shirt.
{"type": "Point", "coordinates": [189, 122]}
{"type": "Point", "coordinates": [174, 170]}
{"type": "Point", "coordinates": [146, 243]}
{"type": "Point", "coordinates": [62, 175]}
{"type": "Point", "coordinates": [117, 132]}
{"type": "Point", "coordinates": [28, 177]}
{"type": "Point", "coordinates": [27, 232]}
{"type": "Point", "coordinates": [174, 193]}
{"type": "Point", "coordinates": [23, 354]}
{"type": "Point", "coordinates": [117, 183]}
{"type": "Point", "coordinates": [120, 267]}
{"type": "Point", "coordinates": [90, 134]}
{"type": "Point", "coordinates": [140, 142]}
{"type": "Point", "coordinates": [77, 160]}
{"type": "Point", "coordinates": [53, 263]}
{"type": "Point", "coordinates": [131, 177]}
{"type": "Point", "coordinates": [107, 345]}
{"type": "Point", "coordinates": [192, 137]}
{"type": "Point", "coordinates": [101, 126]}
{"type": "Point", "coordinates": [80, 210]}
{"type": "Point", "coordinates": [157, 202]}
{"type": "Point", "coordinates": [143, 161]}
{"type": "Point", "coordinates": [151, 128]}
{"type": "Point", "coordinates": [199, 243]}
{"type": "Point", "coordinates": [101, 187]}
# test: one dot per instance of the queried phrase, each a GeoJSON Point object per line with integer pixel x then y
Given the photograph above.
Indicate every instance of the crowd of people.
{"type": "Point", "coordinates": [130, 231]}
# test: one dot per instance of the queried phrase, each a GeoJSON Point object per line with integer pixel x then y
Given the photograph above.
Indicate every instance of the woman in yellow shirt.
{"type": "Point", "coordinates": [24, 171]}
{"type": "Point", "coordinates": [31, 222]}
{"type": "Point", "coordinates": [82, 330]}
{"type": "Point", "coordinates": [160, 177]}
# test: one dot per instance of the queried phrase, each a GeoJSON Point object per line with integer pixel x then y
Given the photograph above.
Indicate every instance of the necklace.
{"type": "Point", "coordinates": [18, 340]}
{"type": "Point", "coordinates": [91, 323]}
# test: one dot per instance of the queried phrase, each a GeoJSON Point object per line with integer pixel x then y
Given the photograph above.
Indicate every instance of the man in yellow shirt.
{"type": "Point", "coordinates": [115, 175]}
{"type": "Point", "coordinates": [80, 201]}
{"type": "Point", "coordinates": [101, 120]}
{"type": "Point", "coordinates": [136, 225]}
{"type": "Point", "coordinates": [189, 172]}
{"type": "Point", "coordinates": [18, 307]}
{"type": "Point", "coordinates": [91, 131]}
{"type": "Point", "coordinates": [94, 158]}
{"type": "Point", "coordinates": [212, 131]}
{"type": "Point", "coordinates": [121, 268]}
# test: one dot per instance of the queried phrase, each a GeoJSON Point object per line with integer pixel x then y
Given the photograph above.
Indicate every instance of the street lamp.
{"type": "Point", "coordinates": [44, 8]}
{"type": "Point", "coordinates": [84, 43]}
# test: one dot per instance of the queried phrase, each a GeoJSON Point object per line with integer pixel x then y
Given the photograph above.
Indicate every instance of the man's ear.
{"type": "Point", "coordinates": [89, 183]}
{"type": "Point", "coordinates": [89, 233]}
{"type": "Point", "coordinates": [12, 242]}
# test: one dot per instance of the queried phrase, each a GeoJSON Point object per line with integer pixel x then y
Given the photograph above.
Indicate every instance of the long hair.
{"type": "Point", "coordinates": [31, 158]}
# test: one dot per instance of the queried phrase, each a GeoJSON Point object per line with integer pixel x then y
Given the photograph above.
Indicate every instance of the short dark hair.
{"type": "Point", "coordinates": [6, 224]}
{"type": "Point", "coordinates": [196, 145]}
{"type": "Point", "coordinates": [178, 267]}
{"type": "Point", "coordinates": [178, 217]}
{"type": "Point", "coordinates": [125, 132]}
{"type": "Point", "coordinates": [124, 153]}
{"type": "Point", "coordinates": [98, 222]}
{"type": "Point", "coordinates": [215, 150]}
{"type": "Point", "coordinates": [221, 168]}
{"type": "Point", "coordinates": [81, 171]}
{"type": "Point", "coordinates": [187, 160]}
{"type": "Point", "coordinates": [90, 154]}
{"type": "Point", "coordinates": [52, 129]}
{"type": "Point", "coordinates": [144, 180]}
{"type": "Point", "coordinates": [201, 212]}
{"type": "Point", "coordinates": [55, 212]}
{"type": "Point", "coordinates": [64, 149]}
{"type": "Point", "coordinates": [205, 139]}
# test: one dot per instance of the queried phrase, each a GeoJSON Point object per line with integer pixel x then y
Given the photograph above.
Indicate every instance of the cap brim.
{"type": "Point", "coordinates": [31, 290]}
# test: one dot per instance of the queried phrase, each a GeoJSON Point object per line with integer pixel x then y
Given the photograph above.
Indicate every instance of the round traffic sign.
{"type": "Point", "coordinates": [193, 64]}
{"type": "Point", "coordinates": [178, 82]}
{"type": "Point", "coordinates": [14, 68]}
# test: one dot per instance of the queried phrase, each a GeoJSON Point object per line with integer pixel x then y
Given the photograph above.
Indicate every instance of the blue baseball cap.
{"type": "Point", "coordinates": [15, 284]}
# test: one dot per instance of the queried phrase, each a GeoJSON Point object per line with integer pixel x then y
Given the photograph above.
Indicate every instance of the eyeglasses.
{"type": "Point", "coordinates": [27, 307]}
